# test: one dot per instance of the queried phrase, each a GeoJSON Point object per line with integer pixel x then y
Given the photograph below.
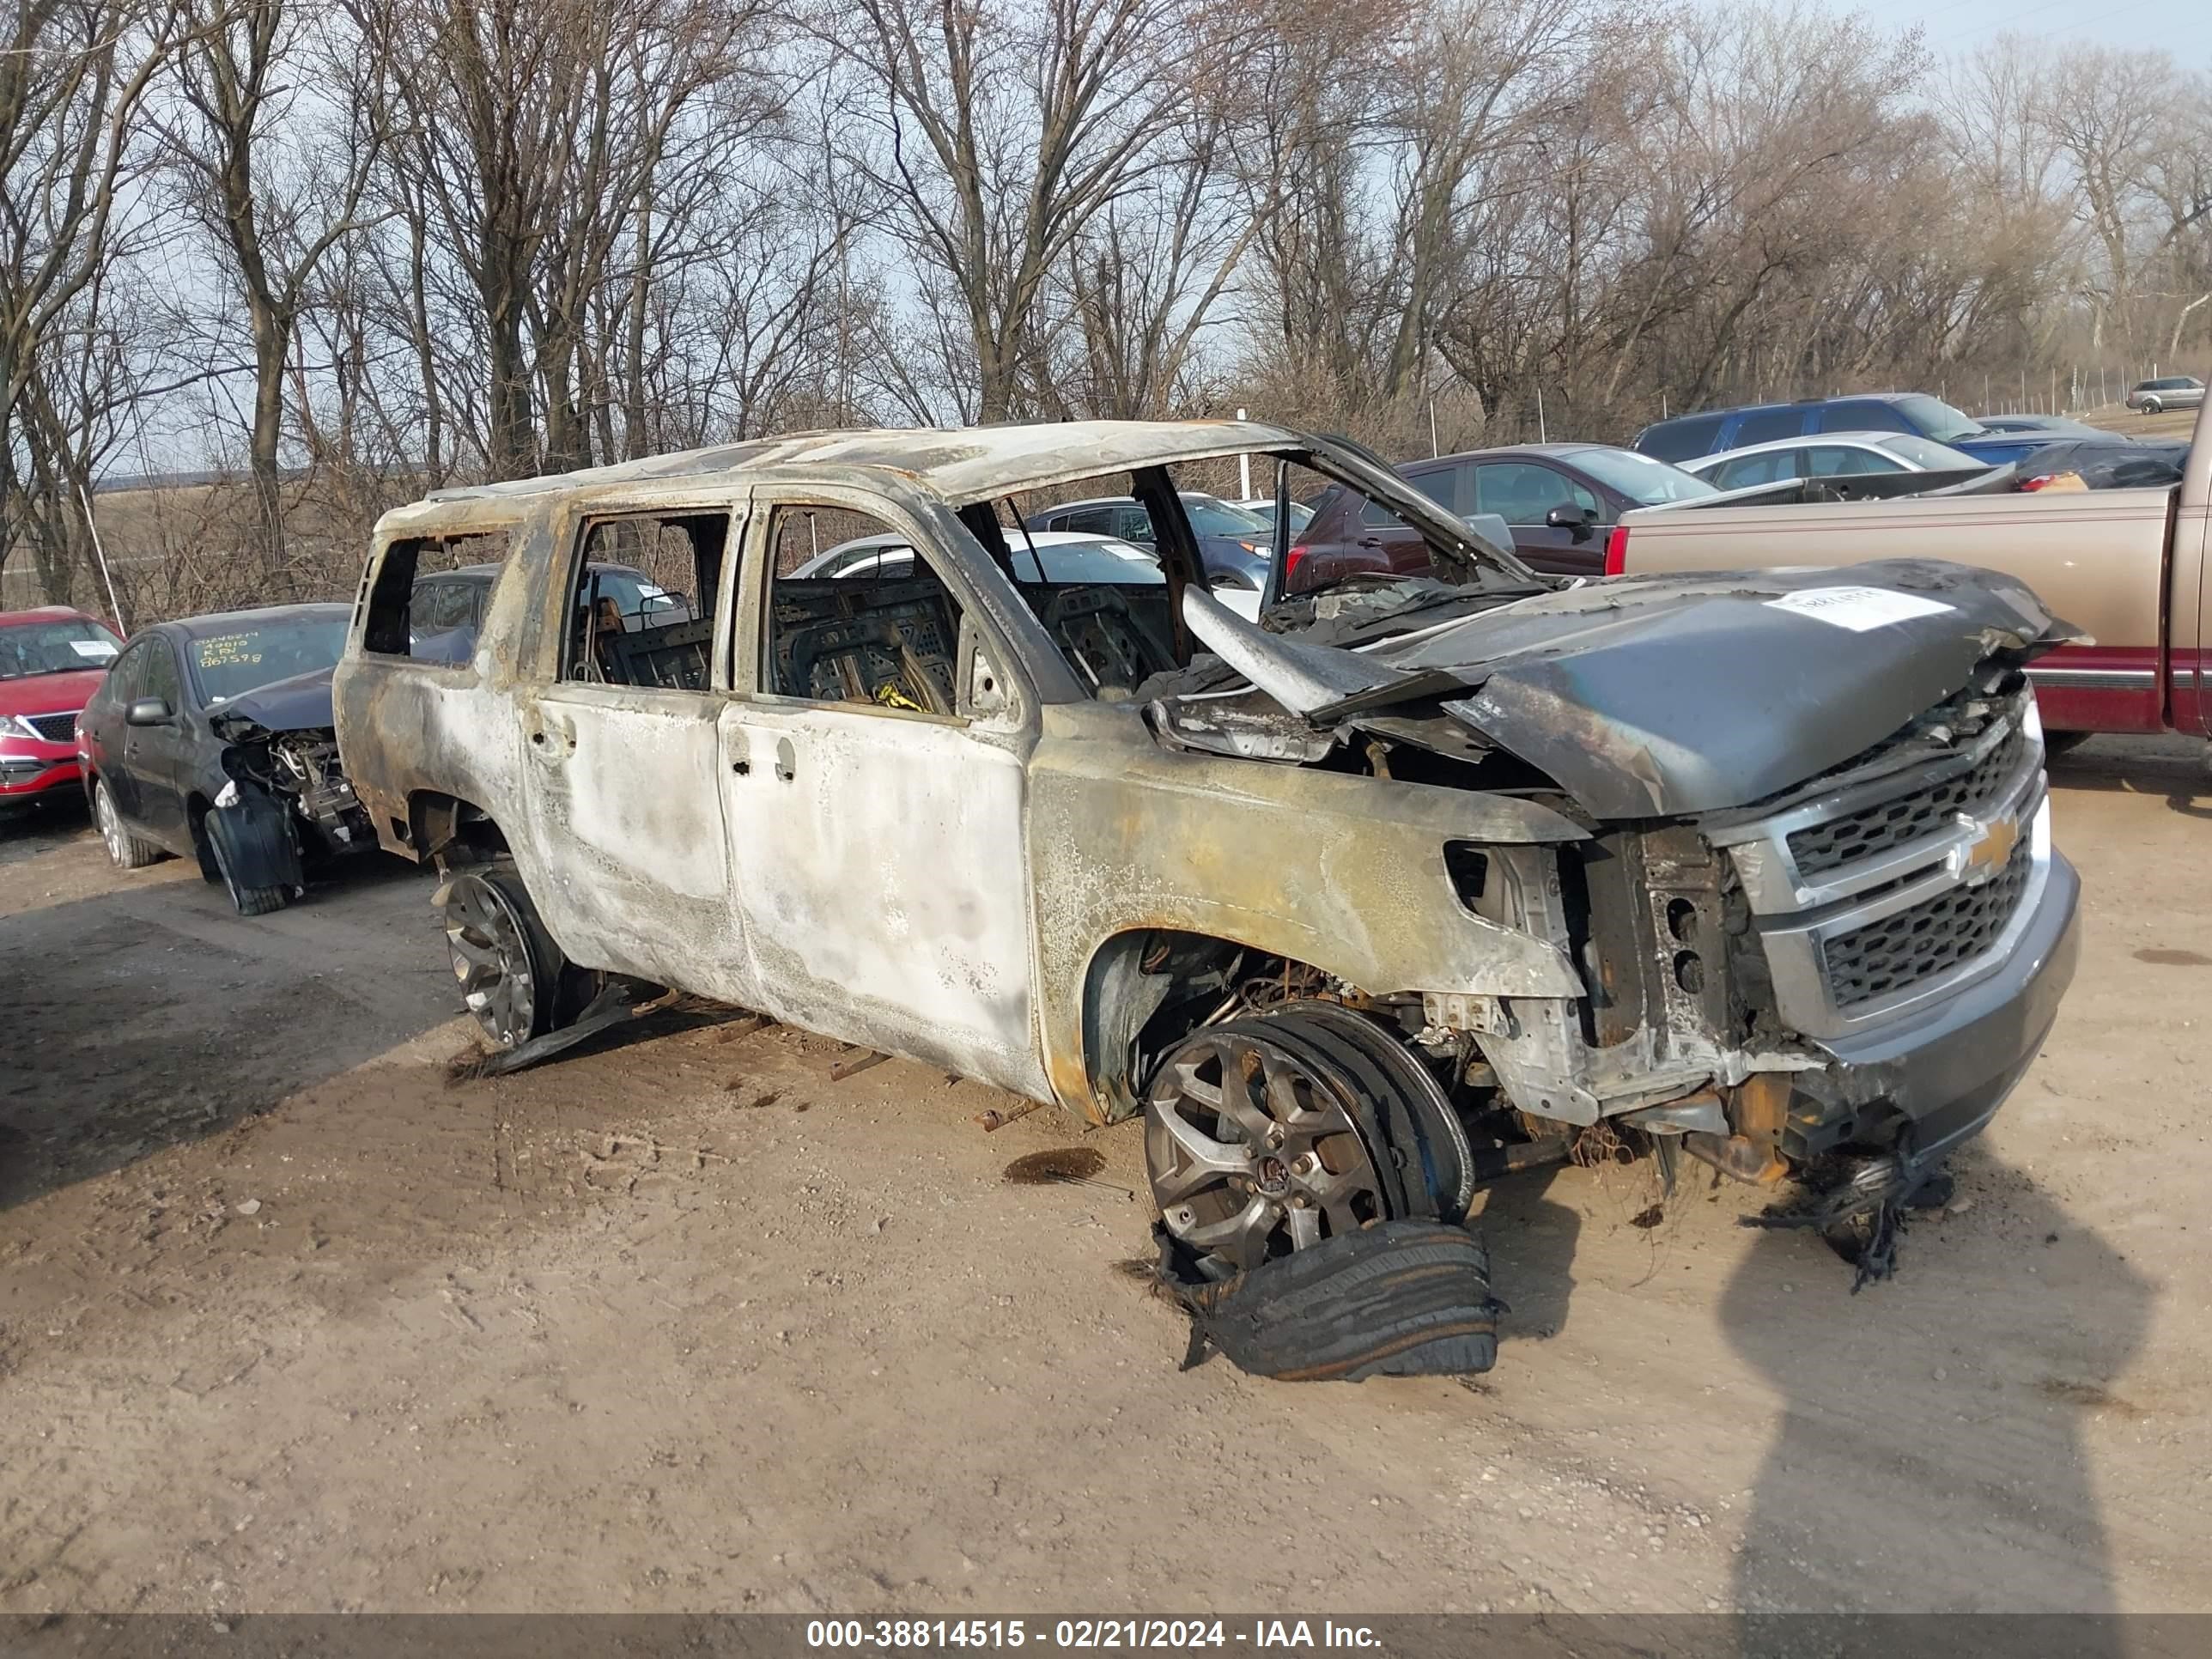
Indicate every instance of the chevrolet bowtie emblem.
{"type": "Point", "coordinates": [1987, 856]}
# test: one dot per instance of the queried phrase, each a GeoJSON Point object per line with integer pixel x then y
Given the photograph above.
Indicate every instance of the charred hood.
{"type": "Point", "coordinates": [1663, 696]}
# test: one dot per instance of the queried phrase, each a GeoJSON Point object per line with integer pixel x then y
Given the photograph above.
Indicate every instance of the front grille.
{"type": "Point", "coordinates": [54, 728]}
{"type": "Point", "coordinates": [1931, 938]}
{"type": "Point", "coordinates": [1882, 828]}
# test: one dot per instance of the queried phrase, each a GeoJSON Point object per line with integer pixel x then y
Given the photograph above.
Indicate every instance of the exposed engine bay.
{"type": "Point", "coordinates": [288, 804]}
{"type": "Point", "coordinates": [302, 769]}
{"type": "Point", "coordinates": [1743, 946]}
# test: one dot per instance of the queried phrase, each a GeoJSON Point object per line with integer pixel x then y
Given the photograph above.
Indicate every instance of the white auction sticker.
{"type": "Point", "coordinates": [97, 650]}
{"type": "Point", "coordinates": [1857, 608]}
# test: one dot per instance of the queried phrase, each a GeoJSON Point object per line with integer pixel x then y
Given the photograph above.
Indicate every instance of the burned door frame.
{"type": "Point", "coordinates": [880, 854]}
{"type": "Point", "coordinates": [620, 783]}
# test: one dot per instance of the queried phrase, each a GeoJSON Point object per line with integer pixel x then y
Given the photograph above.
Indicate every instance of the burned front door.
{"type": "Point", "coordinates": [876, 829]}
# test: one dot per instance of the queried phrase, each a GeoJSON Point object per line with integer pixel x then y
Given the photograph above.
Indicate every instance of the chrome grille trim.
{"type": "Point", "coordinates": [1769, 869]}
{"type": "Point", "coordinates": [1878, 959]}
{"type": "Point", "coordinates": [54, 728]}
{"type": "Point", "coordinates": [1887, 826]}
{"type": "Point", "coordinates": [1798, 918]}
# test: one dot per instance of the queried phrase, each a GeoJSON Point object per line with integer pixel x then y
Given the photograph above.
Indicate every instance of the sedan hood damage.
{"type": "Point", "coordinates": [302, 703]}
{"type": "Point", "coordinates": [1640, 697]}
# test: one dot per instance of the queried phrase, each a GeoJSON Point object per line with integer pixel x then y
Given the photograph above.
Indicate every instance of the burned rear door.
{"type": "Point", "coordinates": [621, 756]}
{"type": "Point", "coordinates": [875, 810]}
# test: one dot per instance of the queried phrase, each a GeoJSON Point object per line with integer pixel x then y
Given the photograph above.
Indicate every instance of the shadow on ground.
{"type": "Point", "coordinates": [1973, 1379]}
{"type": "Point", "coordinates": [154, 1014]}
{"type": "Point", "coordinates": [29, 828]}
{"type": "Point", "coordinates": [2179, 768]}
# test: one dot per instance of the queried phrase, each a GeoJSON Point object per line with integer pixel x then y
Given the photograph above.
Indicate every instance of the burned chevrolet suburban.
{"type": "Point", "coordinates": [1419, 880]}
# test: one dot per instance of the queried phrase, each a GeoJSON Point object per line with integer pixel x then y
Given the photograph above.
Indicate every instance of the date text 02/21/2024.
{"type": "Point", "coordinates": [1083, 1634]}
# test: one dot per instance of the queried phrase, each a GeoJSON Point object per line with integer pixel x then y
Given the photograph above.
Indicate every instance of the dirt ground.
{"type": "Point", "coordinates": [288, 1321]}
{"type": "Point", "coordinates": [2118, 417]}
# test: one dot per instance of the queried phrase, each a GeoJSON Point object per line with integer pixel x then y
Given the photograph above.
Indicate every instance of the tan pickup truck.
{"type": "Point", "coordinates": [2125, 567]}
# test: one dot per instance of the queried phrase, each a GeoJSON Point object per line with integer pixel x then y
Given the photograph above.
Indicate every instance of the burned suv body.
{"type": "Point", "coordinates": [1421, 880]}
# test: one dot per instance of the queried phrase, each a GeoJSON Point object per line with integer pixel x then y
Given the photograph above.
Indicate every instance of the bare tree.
{"type": "Point", "coordinates": [272, 129]}
{"type": "Point", "coordinates": [73, 74]}
{"type": "Point", "coordinates": [2105, 108]}
{"type": "Point", "coordinates": [544, 138]}
{"type": "Point", "coordinates": [1144, 279]}
{"type": "Point", "coordinates": [1004, 130]}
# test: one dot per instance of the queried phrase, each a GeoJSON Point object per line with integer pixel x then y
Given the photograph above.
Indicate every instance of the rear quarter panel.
{"type": "Point", "coordinates": [408, 727]}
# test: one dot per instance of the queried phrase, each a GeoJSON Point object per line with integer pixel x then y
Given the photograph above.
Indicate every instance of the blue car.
{"type": "Point", "coordinates": [1685, 437]}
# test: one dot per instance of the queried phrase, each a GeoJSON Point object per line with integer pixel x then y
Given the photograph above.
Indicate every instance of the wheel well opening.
{"type": "Point", "coordinates": [1147, 990]}
{"type": "Point", "coordinates": [449, 831]}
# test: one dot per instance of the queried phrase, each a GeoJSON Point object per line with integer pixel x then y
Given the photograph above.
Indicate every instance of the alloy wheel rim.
{"type": "Point", "coordinates": [491, 960]}
{"type": "Point", "coordinates": [111, 827]}
{"type": "Point", "coordinates": [1253, 1153]}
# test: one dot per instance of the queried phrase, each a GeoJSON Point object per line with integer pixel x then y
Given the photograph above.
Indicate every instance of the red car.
{"type": "Point", "coordinates": [51, 661]}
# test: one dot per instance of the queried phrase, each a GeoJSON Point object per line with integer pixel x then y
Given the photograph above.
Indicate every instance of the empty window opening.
{"type": "Point", "coordinates": [857, 613]}
{"type": "Point", "coordinates": [1102, 597]}
{"type": "Point", "coordinates": [642, 606]}
{"type": "Point", "coordinates": [427, 599]}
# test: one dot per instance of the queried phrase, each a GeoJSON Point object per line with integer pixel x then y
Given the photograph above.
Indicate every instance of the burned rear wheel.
{"type": "Point", "coordinates": [509, 969]}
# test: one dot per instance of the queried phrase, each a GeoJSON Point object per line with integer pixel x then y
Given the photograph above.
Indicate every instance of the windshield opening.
{"type": "Point", "coordinates": [1938, 419]}
{"type": "Point", "coordinates": [230, 665]}
{"type": "Point", "coordinates": [68, 645]}
{"type": "Point", "coordinates": [1210, 517]}
{"type": "Point", "coordinates": [1645, 480]}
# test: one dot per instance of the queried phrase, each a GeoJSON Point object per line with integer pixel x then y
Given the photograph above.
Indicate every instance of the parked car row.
{"type": "Point", "coordinates": [2117, 537]}
{"type": "Point", "coordinates": [1685, 437]}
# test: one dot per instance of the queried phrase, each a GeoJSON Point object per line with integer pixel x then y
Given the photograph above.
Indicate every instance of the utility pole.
{"type": "Point", "coordinates": [98, 552]}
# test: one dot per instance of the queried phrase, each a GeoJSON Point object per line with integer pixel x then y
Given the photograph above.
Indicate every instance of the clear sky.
{"type": "Point", "coordinates": [2183, 27]}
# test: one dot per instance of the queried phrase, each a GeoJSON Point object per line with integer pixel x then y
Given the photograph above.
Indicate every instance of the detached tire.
{"type": "Point", "coordinates": [249, 846]}
{"type": "Point", "coordinates": [1402, 1298]}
